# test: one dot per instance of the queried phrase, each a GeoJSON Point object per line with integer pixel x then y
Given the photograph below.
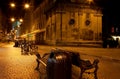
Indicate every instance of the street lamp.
{"type": "Point", "coordinates": [21, 20]}
{"type": "Point", "coordinates": [12, 5]}
{"type": "Point", "coordinates": [12, 19]}
{"type": "Point", "coordinates": [26, 6]}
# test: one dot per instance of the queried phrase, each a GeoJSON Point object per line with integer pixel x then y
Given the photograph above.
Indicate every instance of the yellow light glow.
{"type": "Point", "coordinates": [12, 19]}
{"type": "Point", "coordinates": [115, 37]}
{"type": "Point", "coordinates": [26, 5]}
{"type": "Point", "coordinates": [12, 4]}
{"type": "Point", "coordinates": [90, 1]}
{"type": "Point", "coordinates": [21, 20]}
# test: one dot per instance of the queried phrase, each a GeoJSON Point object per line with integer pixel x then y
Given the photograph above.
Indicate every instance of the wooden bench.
{"type": "Point", "coordinates": [84, 65]}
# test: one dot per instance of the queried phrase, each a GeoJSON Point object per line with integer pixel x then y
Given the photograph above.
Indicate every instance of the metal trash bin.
{"type": "Point", "coordinates": [59, 65]}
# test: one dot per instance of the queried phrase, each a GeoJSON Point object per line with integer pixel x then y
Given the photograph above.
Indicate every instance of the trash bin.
{"type": "Point", "coordinates": [59, 65]}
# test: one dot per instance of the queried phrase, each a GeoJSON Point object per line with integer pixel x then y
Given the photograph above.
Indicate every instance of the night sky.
{"type": "Point", "coordinates": [18, 10]}
{"type": "Point", "coordinates": [111, 15]}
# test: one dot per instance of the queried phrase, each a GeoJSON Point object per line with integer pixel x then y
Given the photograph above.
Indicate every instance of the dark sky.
{"type": "Point", "coordinates": [111, 15]}
{"type": "Point", "coordinates": [8, 11]}
{"type": "Point", "coordinates": [111, 8]}
{"type": "Point", "coordinates": [19, 10]}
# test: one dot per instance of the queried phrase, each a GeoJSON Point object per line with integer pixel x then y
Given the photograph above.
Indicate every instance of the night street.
{"type": "Point", "coordinates": [16, 66]}
{"type": "Point", "coordinates": [59, 39]}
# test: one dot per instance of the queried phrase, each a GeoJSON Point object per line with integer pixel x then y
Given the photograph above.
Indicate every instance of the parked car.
{"type": "Point", "coordinates": [109, 42]}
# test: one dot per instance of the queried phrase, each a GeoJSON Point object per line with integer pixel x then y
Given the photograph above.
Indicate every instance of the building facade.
{"type": "Point", "coordinates": [66, 22]}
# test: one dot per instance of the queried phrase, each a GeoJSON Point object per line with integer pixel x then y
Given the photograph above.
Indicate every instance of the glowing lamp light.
{"type": "Point", "coordinates": [12, 19]}
{"type": "Point", "coordinates": [12, 5]}
{"type": "Point", "coordinates": [21, 20]}
{"type": "Point", "coordinates": [90, 1]}
{"type": "Point", "coordinates": [26, 5]}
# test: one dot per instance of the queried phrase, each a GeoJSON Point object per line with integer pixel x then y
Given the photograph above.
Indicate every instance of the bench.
{"type": "Point", "coordinates": [29, 48]}
{"type": "Point", "coordinates": [84, 65]}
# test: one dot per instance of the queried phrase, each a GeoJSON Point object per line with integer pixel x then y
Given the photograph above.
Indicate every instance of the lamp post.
{"type": "Point", "coordinates": [26, 5]}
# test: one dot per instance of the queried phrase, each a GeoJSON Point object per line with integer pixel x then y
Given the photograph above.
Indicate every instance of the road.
{"type": "Point", "coordinates": [14, 65]}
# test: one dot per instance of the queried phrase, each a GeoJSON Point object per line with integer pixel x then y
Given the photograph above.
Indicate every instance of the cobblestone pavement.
{"type": "Point", "coordinates": [13, 65]}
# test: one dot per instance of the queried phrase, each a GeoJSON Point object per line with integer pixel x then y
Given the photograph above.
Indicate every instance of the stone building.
{"type": "Point", "coordinates": [0, 25]}
{"type": "Point", "coordinates": [57, 22]}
